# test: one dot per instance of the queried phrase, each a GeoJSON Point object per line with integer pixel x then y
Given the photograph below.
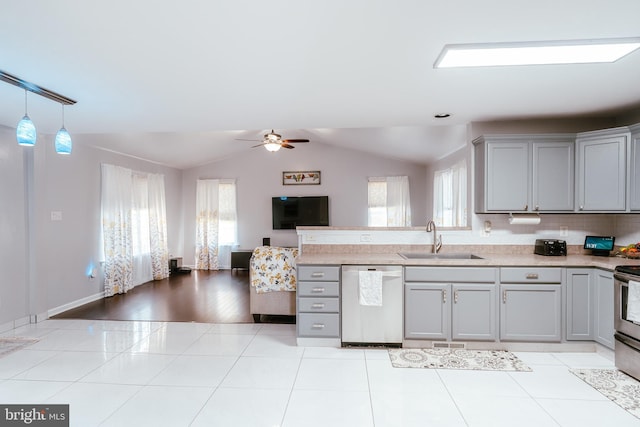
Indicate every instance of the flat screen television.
{"type": "Point", "coordinates": [290, 212]}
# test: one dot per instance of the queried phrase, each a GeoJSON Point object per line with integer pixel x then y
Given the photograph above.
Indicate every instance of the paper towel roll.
{"type": "Point", "coordinates": [524, 219]}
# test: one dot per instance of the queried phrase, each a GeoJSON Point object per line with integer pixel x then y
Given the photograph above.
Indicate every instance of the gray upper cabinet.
{"type": "Point", "coordinates": [634, 176]}
{"type": "Point", "coordinates": [602, 170]}
{"type": "Point", "coordinates": [524, 173]}
{"type": "Point", "coordinates": [553, 176]}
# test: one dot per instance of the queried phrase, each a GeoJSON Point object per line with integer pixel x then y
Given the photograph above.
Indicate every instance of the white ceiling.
{"type": "Point", "coordinates": [176, 82]}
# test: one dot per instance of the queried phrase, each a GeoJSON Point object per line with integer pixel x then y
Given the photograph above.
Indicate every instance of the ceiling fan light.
{"type": "Point", "coordinates": [63, 142]}
{"type": "Point", "coordinates": [272, 146]}
{"type": "Point", "coordinates": [26, 132]}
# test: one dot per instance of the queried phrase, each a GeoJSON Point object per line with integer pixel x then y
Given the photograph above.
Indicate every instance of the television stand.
{"type": "Point", "coordinates": [240, 258]}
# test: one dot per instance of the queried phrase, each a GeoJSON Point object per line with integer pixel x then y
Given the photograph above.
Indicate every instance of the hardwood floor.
{"type": "Point", "coordinates": [202, 296]}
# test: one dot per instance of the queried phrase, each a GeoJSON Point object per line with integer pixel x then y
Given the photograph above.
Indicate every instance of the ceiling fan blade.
{"type": "Point", "coordinates": [259, 145]}
{"type": "Point", "coordinates": [295, 140]}
{"type": "Point", "coordinates": [241, 139]}
{"type": "Point", "coordinates": [285, 145]}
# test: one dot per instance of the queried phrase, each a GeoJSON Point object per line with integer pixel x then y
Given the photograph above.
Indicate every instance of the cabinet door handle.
{"type": "Point", "coordinates": [317, 290]}
{"type": "Point", "coordinates": [317, 305]}
{"type": "Point", "coordinates": [532, 275]}
{"type": "Point", "coordinates": [444, 296]}
{"type": "Point", "coordinates": [504, 297]}
{"type": "Point", "coordinates": [581, 208]}
{"type": "Point", "coordinates": [317, 274]}
{"type": "Point", "coordinates": [526, 207]}
{"type": "Point", "coordinates": [317, 326]}
{"type": "Point", "coordinates": [537, 208]}
{"type": "Point", "coordinates": [455, 297]}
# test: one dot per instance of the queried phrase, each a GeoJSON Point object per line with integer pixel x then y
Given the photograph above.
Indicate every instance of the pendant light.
{"type": "Point", "coordinates": [63, 142]}
{"type": "Point", "coordinates": [26, 131]}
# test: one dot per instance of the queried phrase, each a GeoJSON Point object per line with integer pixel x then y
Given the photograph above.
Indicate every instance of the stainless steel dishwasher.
{"type": "Point", "coordinates": [372, 325]}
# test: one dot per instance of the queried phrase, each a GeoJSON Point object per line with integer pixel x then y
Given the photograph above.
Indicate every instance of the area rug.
{"type": "Point", "coordinates": [11, 344]}
{"type": "Point", "coordinates": [446, 358]}
{"type": "Point", "coordinates": [615, 385]}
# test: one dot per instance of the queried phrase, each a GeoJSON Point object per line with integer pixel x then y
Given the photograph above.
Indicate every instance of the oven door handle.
{"type": "Point", "coordinates": [627, 341]}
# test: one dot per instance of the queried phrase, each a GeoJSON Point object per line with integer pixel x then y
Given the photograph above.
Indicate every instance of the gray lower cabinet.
{"type": "Point", "coordinates": [531, 304]}
{"type": "Point", "coordinates": [604, 306]}
{"type": "Point", "coordinates": [318, 302]}
{"type": "Point", "coordinates": [427, 313]}
{"type": "Point", "coordinates": [450, 311]}
{"type": "Point", "coordinates": [590, 305]}
{"type": "Point", "coordinates": [580, 304]}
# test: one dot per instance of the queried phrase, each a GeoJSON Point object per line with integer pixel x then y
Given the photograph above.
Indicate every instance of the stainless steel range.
{"type": "Point", "coordinates": [627, 334]}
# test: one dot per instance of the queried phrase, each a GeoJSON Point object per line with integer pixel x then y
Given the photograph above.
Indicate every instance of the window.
{"type": "Point", "coordinates": [227, 228]}
{"type": "Point", "coordinates": [389, 202]}
{"type": "Point", "coordinates": [450, 196]}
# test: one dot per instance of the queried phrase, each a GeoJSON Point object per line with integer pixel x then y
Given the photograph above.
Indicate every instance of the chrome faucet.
{"type": "Point", "coordinates": [437, 242]}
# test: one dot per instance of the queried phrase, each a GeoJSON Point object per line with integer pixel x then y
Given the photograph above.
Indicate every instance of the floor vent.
{"type": "Point", "coordinates": [454, 345]}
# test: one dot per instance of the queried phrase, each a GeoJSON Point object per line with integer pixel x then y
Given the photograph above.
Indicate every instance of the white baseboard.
{"type": "Point", "coordinates": [73, 304]}
{"type": "Point", "coordinates": [13, 324]}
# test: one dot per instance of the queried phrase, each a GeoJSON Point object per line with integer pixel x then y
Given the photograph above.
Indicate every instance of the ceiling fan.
{"type": "Point", "coordinates": [273, 141]}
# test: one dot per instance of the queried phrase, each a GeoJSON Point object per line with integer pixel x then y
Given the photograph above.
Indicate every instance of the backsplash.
{"type": "Point", "coordinates": [503, 237]}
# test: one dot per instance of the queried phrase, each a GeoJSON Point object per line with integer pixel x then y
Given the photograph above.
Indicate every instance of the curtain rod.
{"type": "Point", "coordinates": [16, 81]}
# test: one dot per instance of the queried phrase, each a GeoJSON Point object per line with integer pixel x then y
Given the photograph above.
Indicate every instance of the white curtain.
{"type": "Point", "coordinates": [134, 228]}
{"type": "Point", "coordinates": [389, 203]}
{"type": "Point", "coordinates": [158, 227]}
{"type": "Point", "coordinates": [398, 202]}
{"type": "Point", "coordinates": [450, 196]}
{"type": "Point", "coordinates": [140, 230]}
{"type": "Point", "coordinates": [216, 223]}
{"type": "Point", "coordinates": [116, 229]}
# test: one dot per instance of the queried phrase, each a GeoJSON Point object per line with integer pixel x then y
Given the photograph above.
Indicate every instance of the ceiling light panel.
{"type": "Point", "coordinates": [535, 53]}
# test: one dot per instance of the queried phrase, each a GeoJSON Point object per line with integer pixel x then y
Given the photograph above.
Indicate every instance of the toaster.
{"type": "Point", "coordinates": [550, 247]}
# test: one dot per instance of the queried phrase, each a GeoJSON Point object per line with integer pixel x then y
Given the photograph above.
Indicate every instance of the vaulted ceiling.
{"type": "Point", "coordinates": [177, 82]}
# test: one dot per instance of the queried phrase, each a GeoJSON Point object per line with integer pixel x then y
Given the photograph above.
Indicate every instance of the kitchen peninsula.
{"type": "Point", "coordinates": [505, 297]}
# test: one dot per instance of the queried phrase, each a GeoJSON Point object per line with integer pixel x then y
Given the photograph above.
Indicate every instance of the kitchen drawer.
{"type": "Point", "coordinates": [530, 275]}
{"type": "Point", "coordinates": [318, 325]}
{"type": "Point", "coordinates": [448, 274]}
{"type": "Point", "coordinates": [319, 289]}
{"type": "Point", "coordinates": [319, 305]}
{"type": "Point", "coordinates": [318, 272]}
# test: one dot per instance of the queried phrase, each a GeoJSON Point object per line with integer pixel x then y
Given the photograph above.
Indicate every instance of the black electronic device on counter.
{"type": "Point", "coordinates": [550, 247]}
{"type": "Point", "coordinates": [599, 245]}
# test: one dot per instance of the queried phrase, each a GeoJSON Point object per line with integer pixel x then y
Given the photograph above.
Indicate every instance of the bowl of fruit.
{"type": "Point", "coordinates": [630, 251]}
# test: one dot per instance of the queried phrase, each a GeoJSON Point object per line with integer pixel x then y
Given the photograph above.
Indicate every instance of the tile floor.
{"type": "Point", "coordinates": [192, 374]}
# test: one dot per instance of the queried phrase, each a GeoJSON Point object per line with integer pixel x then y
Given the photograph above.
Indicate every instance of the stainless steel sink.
{"type": "Point", "coordinates": [430, 255]}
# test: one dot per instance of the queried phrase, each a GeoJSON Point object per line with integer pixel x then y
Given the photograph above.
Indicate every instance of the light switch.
{"type": "Point", "coordinates": [56, 215]}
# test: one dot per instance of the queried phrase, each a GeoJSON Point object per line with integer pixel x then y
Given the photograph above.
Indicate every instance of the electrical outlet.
{"type": "Point", "coordinates": [486, 230]}
{"type": "Point", "coordinates": [365, 237]}
{"type": "Point", "coordinates": [564, 231]}
{"type": "Point", "coordinates": [310, 238]}
{"type": "Point", "coordinates": [56, 215]}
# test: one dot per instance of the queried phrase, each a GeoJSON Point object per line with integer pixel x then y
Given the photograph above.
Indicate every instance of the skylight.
{"type": "Point", "coordinates": [535, 53]}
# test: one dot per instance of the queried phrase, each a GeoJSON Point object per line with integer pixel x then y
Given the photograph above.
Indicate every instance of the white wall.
{"type": "Point", "coordinates": [13, 257]}
{"type": "Point", "coordinates": [259, 177]}
{"type": "Point", "coordinates": [50, 269]}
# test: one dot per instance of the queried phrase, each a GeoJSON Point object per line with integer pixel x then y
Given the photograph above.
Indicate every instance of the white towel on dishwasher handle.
{"type": "Point", "coordinates": [633, 302]}
{"type": "Point", "coordinates": [370, 288]}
